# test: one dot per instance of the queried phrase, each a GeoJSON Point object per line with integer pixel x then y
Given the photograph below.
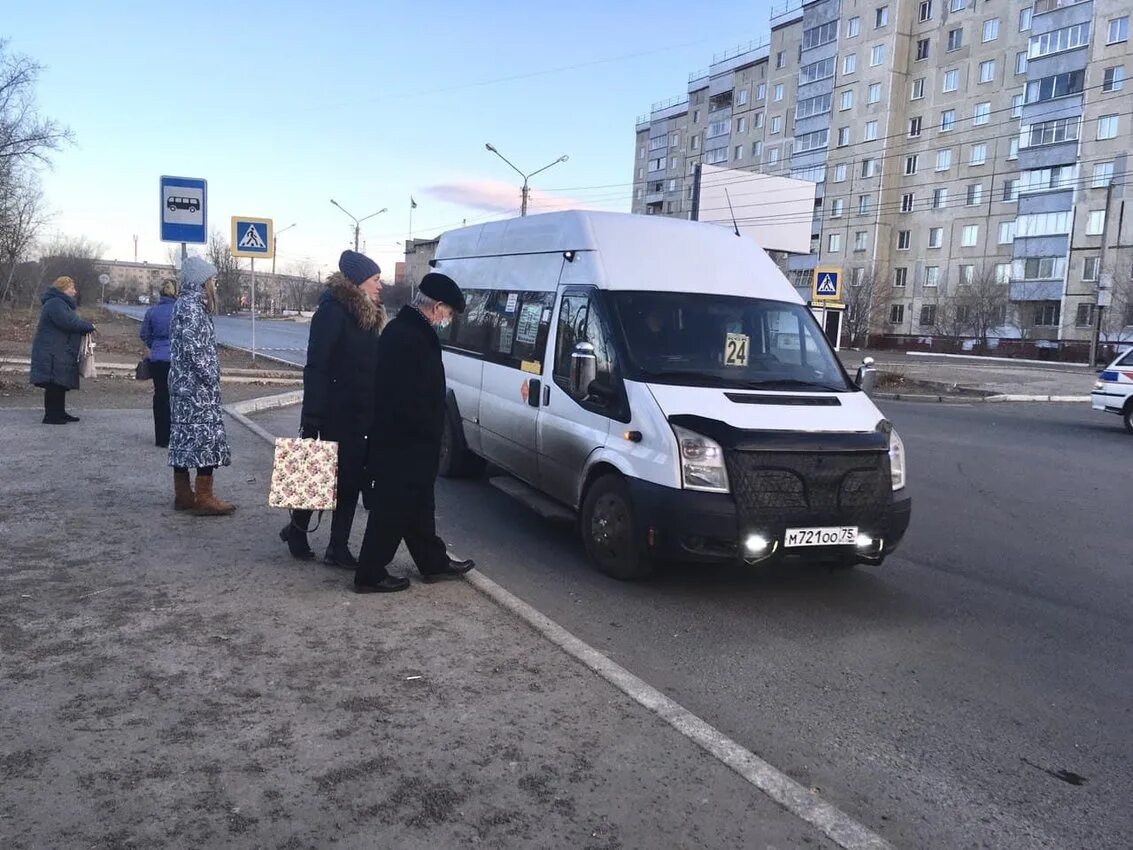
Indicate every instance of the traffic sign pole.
{"type": "Point", "coordinates": [253, 309]}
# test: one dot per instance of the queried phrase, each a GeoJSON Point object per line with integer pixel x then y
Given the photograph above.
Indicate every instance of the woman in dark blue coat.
{"type": "Point", "coordinates": [55, 350]}
{"type": "Point", "coordinates": [155, 334]}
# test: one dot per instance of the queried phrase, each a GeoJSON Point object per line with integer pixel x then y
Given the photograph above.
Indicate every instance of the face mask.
{"type": "Point", "coordinates": [444, 323]}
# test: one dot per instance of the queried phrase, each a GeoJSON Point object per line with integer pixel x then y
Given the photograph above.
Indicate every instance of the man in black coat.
{"type": "Point", "coordinates": [405, 442]}
{"type": "Point", "coordinates": [338, 394]}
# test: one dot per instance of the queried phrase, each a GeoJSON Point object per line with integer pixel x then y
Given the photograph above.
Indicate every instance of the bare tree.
{"type": "Point", "coordinates": [21, 216]}
{"type": "Point", "coordinates": [979, 307]}
{"type": "Point", "coordinates": [77, 258]}
{"type": "Point", "coordinates": [24, 134]}
{"type": "Point", "coordinates": [867, 304]}
{"type": "Point", "coordinates": [228, 283]}
{"type": "Point", "coordinates": [1117, 319]}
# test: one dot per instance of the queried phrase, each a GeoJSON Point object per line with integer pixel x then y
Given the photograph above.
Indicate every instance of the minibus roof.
{"type": "Point", "coordinates": [635, 252]}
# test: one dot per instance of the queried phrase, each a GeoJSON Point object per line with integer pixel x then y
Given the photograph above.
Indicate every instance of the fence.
{"type": "Point", "coordinates": [1054, 350]}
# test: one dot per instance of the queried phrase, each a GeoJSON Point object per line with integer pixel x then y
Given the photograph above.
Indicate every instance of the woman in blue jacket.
{"type": "Point", "coordinates": [155, 334]}
{"type": "Point", "coordinates": [55, 350]}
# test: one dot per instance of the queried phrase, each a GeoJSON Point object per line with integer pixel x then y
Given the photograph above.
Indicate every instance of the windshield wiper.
{"type": "Point", "coordinates": [790, 383]}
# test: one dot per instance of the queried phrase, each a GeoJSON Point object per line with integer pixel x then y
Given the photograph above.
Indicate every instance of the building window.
{"type": "Point", "coordinates": [1103, 174]}
{"type": "Point", "coordinates": [900, 277]}
{"type": "Point", "coordinates": [951, 80]}
{"type": "Point", "coordinates": [853, 27]}
{"type": "Point", "coordinates": [914, 127]}
{"type": "Point", "coordinates": [741, 97]}
{"type": "Point", "coordinates": [870, 131]}
{"type": "Point", "coordinates": [756, 149]}
{"type": "Point", "coordinates": [978, 154]}
{"type": "Point", "coordinates": [876, 55]}
{"type": "Point", "coordinates": [975, 194]}
{"type": "Point", "coordinates": [776, 124]}
{"type": "Point", "coordinates": [955, 39]}
{"type": "Point", "coordinates": [967, 275]}
{"type": "Point", "coordinates": [672, 184]}
{"type": "Point", "coordinates": [932, 276]}
{"type": "Point", "coordinates": [846, 100]}
{"type": "Point", "coordinates": [947, 120]}
{"type": "Point", "coordinates": [1095, 223]}
{"type": "Point", "coordinates": [991, 30]}
{"type": "Point", "coordinates": [843, 136]}
{"type": "Point", "coordinates": [1021, 62]}
{"type": "Point", "coordinates": [939, 198]}
{"type": "Point", "coordinates": [814, 37]}
{"type": "Point", "coordinates": [1114, 78]}
{"type": "Point", "coordinates": [957, 5]}
{"type": "Point", "coordinates": [1048, 315]}
{"type": "Point", "coordinates": [773, 156]}
{"type": "Point", "coordinates": [944, 159]}
{"type": "Point", "coordinates": [840, 173]}
{"type": "Point", "coordinates": [741, 124]}
{"type": "Point", "coordinates": [896, 314]}
{"type": "Point", "coordinates": [916, 91]}
{"type": "Point", "coordinates": [881, 17]}
{"type": "Point", "coordinates": [970, 236]}
{"type": "Point", "coordinates": [657, 164]}
{"type": "Point", "coordinates": [738, 153]}
{"type": "Point", "coordinates": [1043, 224]}
{"type": "Point", "coordinates": [641, 174]}
{"type": "Point", "coordinates": [812, 141]}
{"type": "Point", "coordinates": [715, 157]}
{"type": "Point", "coordinates": [861, 240]}
{"type": "Point", "coordinates": [837, 207]}
{"type": "Point", "coordinates": [1085, 317]}
{"type": "Point", "coordinates": [863, 204]}
{"type": "Point", "coordinates": [1090, 268]}
{"type": "Point", "coordinates": [761, 92]}
{"type": "Point", "coordinates": [850, 63]}
{"type": "Point", "coordinates": [875, 93]}
{"type": "Point", "coordinates": [778, 96]}
{"type": "Point", "coordinates": [1016, 106]}
{"type": "Point", "coordinates": [987, 71]}
{"type": "Point", "coordinates": [717, 129]}
{"type": "Point", "coordinates": [907, 201]}
{"type": "Point", "coordinates": [637, 194]}
{"type": "Point", "coordinates": [758, 119]}
{"type": "Point", "coordinates": [982, 114]}
{"type": "Point", "coordinates": [815, 71]}
{"type": "Point", "coordinates": [926, 11]}
{"type": "Point", "coordinates": [911, 163]}
{"type": "Point", "coordinates": [781, 57]}
{"type": "Point", "coordinates": [1118, 30]}
{"type": "Point", "coordinates": [922, 49]}
{"type": "Point", "coordinates": [1107, 127]}
{"type": "Point", "coordinates": [1057, 85]}
{"type": "Point", "coordinates": [904, 239]}
{"type": "Point", "coordinates": [1002, 273]}
{"type": "Point", "coordinates": [1010, 190]}
{"type": "Point", "coordinates": [696, 116]}
{"type": "Point", "coordinates": [813, 106]}
{"type": "Point", "coordinates": [834, 243]}
{"type": "Point", "coordinates": [1025, 18]}
{"type": "Point", "coordinates": [869, 167]}
{"type": "Point", "coordinates": [928, 313]}
{"type": "Point", "coordinates": [1052, 132]}
{"type": "Point", "coordinates": [935, 237]}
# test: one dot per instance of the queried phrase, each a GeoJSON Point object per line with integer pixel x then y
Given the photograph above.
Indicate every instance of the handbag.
{"type": "Point", "coordinates": [86, 358]}
{"type": "Point", "coordinates": [141, 371]}
{"type": "Point", "coordinates": [304, 474]}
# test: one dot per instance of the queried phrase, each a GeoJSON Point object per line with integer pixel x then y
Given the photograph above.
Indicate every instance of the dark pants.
{"type": "Point", "coordinates": [159, 374]}
{"type": "Point", "coordinates": [54, 401]}
{"type": "Point", "coordinates": [400, 513]}
{"type": "Point", "coordinates": [348, 487]}
{"type": "Point", "coordinates": [201, 470]}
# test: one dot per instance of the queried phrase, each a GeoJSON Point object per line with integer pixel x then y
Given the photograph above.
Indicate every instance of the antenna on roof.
{"type": "Point", "coordinates": [732, 211]}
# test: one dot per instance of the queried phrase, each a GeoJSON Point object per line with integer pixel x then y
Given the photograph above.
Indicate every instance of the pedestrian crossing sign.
{"type": "Point", "coordinates": [252, 237]}
{"type": "Point", "coordinates": [827, 284]}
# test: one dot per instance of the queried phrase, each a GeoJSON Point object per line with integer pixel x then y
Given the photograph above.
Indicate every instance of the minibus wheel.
{"type": "Point", "coordinates": [610, 532]}
{"type": "Point", "coordinates": [1127, 416]}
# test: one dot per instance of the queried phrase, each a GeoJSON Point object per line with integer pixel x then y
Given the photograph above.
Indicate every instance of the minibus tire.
{"type": "Point", "coordinates": [621, 556]}
{"type": "Point", "coordinates": [1127, 416]}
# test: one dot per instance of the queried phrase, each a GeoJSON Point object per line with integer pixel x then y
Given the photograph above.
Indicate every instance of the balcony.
{"type": "Point", "coordinates": [1036, 290]}
{"type": "Point", "coordinates": [1043, 6]}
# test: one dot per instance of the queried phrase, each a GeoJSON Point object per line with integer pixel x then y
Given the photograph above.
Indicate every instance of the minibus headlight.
{"type": "Point", "coordinates": [702, 462]}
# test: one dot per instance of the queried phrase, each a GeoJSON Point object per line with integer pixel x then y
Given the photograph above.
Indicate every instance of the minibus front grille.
{"type": "Point", "coordinates": [777, 489]}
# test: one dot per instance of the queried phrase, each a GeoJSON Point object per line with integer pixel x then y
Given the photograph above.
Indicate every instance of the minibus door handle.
{"type": "Point", "coordinates": [547, 395]}
{"type": "Point", "coordinates": [534, 391]}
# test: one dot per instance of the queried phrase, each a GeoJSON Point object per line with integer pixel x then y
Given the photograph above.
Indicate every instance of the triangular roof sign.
{"type": "Point", "coordinates": [252, 238]}
{"type": "Point", "coordinates": [827, 286]}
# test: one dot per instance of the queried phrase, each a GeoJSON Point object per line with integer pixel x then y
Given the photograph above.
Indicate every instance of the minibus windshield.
{"type": "Point", "coordinates": [725, 341]}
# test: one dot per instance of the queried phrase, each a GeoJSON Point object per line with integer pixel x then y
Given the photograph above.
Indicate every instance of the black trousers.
{"type": "Point", "coordinates": [54, 401]}
{"type": "Point", "coordinates": [348, 485]}
{"type": "Point", "coordinates": [400, 513]}
{"type": "Point", "coordinates": [159, 374]}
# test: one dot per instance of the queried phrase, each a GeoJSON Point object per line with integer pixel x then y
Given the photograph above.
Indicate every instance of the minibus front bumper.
{"type": "Point", "coordinates": [687, 525]}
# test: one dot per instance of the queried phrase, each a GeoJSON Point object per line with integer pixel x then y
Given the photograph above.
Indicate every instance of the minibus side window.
{"type": "Point", "coordinates": [532, 327]}
{"type": "Point", "coordinates": [578, 322]}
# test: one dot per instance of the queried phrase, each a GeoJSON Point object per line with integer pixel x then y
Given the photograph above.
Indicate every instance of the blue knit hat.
{"type": "Point", "coordinates": [357, 268]}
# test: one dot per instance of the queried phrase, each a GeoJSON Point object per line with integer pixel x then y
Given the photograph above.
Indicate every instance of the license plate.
{"type": "Point", "coordinates": [844, 536]}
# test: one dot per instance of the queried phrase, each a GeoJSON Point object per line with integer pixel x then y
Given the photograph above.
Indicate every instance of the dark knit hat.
{"type": "Point", "coordinates": [441, 287]}
{"type": "Point", "coordinates": [357, 268]}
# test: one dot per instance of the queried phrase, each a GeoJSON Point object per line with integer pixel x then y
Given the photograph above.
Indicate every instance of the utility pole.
{"type": "Point", "coordinates": [358, 221]}
{"type": "Point", "coordinates": [275, 245]}
{"type": "Point", "coordinates": [1104, 280]}
{"type": "Point", "coordinates": [135, 247]}
{"type": "Point", "coordinates": [697, 170]}
{"type": "Point", "coordinates": [525, 192]}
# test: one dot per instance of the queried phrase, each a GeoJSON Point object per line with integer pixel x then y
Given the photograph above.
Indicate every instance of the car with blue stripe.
{"type": "Point", "coordinates": [1113, 392]}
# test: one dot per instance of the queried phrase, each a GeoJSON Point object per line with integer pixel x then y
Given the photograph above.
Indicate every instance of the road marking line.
{"type": "Point", "coordinates": [839, 827]}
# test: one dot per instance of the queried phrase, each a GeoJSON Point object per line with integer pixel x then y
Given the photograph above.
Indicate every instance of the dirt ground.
{"type": "Point", "coordinates": [117, 341]}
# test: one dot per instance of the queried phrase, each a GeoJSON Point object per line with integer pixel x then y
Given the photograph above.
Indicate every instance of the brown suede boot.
{"type": "Point", "coordinates": [183, 499]}
{"type": "Point", "coordinates": [207, 503]}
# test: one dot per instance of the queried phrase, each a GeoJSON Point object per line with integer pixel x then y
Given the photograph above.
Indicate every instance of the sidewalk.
{"type": "Point", "coordinates": [171, 680]}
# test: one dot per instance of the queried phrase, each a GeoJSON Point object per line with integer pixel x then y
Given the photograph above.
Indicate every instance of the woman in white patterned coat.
{"type": "Point", "coordinates": [196, 437]}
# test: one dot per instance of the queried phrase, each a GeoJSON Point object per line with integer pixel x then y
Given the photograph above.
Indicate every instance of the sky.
{"type": "Point", "coordinates": [283, 106]}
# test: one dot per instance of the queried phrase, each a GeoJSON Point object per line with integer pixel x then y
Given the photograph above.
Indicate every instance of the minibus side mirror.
{"type": "Point", "coordinates": [866, 378]}
{"type": "Point", "coordinates": [583, 369]}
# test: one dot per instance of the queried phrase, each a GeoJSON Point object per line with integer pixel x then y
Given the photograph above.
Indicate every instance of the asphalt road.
{"type": "Point", "coordinates": [282, 340]}
{"type": "Point", "coordinates": [972, 691]}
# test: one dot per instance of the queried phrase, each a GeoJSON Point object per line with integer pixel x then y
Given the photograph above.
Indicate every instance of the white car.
{"type": "Point", "coordinates": [1113, 392]}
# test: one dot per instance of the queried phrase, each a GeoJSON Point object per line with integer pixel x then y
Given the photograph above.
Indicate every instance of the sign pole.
{"type": "Point", "coordinates": [253, 309]}
{"type": "Point", "coordinates": [184, 251]}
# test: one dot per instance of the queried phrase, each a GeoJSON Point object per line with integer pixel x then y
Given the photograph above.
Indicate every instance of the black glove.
{"type": "Point", "coordinates": [309, 427]}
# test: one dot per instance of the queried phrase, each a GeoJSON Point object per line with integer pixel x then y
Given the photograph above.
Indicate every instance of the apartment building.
{"type": "Point", "coordinates": [970, 156]}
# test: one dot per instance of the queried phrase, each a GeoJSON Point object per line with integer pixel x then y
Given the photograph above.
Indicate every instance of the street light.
{"type": "Point", "coordinates": [526, 177]}
{"type": "Point", "coordinates": [357, 221]}
{"type": "Point", "coordinates": [275, 245]}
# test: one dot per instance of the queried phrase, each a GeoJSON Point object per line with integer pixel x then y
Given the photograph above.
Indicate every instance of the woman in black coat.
{"type": "Point", "coordinates": [55, 350]}
{"type": "Point", "coordinates": [338, 396]}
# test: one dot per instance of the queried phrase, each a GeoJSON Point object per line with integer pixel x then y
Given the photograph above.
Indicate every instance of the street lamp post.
{"type": "Point", "coordinates": [275, 245]}
{"type": "Point", "coordinates": [357, 221]}
{"type": "Point", "coordinates": [526, 177]}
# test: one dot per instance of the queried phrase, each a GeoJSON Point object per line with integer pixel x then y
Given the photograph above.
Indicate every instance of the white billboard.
{"type": "Point", "coordinates": [774, 211]}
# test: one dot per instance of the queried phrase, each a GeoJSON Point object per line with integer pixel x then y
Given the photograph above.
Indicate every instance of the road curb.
{"type": "Point", "coordinates": [795, 798]}
{"type": "Point", "coordinates": [991, 399]}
